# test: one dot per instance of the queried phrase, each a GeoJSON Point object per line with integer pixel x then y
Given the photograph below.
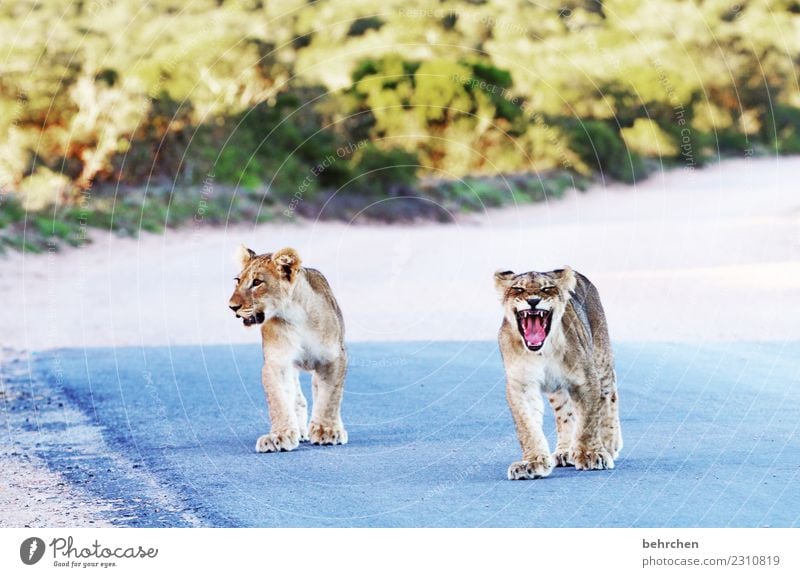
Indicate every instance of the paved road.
{"type": "Point", "coordinates": [165, 437]}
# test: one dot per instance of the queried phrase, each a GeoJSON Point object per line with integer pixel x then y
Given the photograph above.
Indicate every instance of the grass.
{"type": "Point", "coordinates": [126, 212]}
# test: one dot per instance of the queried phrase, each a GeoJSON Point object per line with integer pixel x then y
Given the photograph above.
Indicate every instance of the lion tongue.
{"type": "Point", "coordinates": [533, 327]}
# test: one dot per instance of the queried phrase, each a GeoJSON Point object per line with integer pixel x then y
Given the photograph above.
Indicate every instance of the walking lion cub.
{"type": "Point", "coordinates": [554, 340]}
{"type": "Point", "coordinates": [301, 328]}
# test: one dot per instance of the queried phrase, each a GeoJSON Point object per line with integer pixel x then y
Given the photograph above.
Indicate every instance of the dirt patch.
{"type": "Point", "coordinates": [33, 496]}
{"type": "Point", "coordinates": [30, 494]}
{"type": "Point", "coordinates": [41, 427]}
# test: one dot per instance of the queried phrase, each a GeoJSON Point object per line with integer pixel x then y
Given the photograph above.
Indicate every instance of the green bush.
{"type": "Point", "coordinates": [601, 148]}
{"type": "Point", "coordinates": [384, 172]}
{"type": "Point", "coordinates": [782, 129]}
{"type": "Point", "coordinates": [131, 97]}
{"type": "Point", "coordinates": [361, 26]}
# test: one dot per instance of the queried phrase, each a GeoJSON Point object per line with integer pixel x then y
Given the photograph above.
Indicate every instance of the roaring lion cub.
{"type": "Point", "coordinates": [554, 339]}
{"type": "Point", "coordinates": [301, 328]}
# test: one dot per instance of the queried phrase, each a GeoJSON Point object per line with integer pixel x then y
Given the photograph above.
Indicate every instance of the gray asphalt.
{"type": "Point", "coordinates": [711, 439]}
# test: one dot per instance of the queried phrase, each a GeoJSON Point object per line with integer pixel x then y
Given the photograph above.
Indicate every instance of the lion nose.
{"type": "Point", "coordinates": [534, 302]}
{"type": "Point", "coordinates": [235, 308]}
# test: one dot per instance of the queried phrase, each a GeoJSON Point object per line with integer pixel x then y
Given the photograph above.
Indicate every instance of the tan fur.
{"type": "Point", "coordinates": [574, 366]}
{"type": "Point", "coordinates": [301, 328]}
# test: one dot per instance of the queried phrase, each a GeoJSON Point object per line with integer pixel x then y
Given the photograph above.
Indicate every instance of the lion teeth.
{"type": "Point", "coordinates": [533, 312]}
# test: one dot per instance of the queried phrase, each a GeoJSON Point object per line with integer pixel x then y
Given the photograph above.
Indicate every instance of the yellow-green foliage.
{"type": "Point", "coordinates": [258, 93]}
{"type": "Point", "coordinates": [647, 138]}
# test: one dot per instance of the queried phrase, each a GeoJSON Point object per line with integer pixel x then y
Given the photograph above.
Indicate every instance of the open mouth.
{"type": "Point", "coordinates": [534, 326]}
{"type": "Point", "coordinates": [257, 318]}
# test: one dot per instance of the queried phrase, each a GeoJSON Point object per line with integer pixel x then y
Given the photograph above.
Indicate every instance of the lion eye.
{"type": "Point", "coordinates": [256, 282]}
{"type": "Point", "coordinates": [549, 289]}
{"type": "Point", "coordinates": [518, 289]}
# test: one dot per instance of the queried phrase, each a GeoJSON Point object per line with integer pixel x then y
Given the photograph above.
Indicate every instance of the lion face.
{"type": "Point", "coordinates": [534, 302]}
{"type": "Point", "coordinates": [264, 285]}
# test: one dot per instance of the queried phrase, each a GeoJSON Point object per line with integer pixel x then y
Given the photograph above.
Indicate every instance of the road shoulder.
{"type": "Point", "coordinates": [57, 471]}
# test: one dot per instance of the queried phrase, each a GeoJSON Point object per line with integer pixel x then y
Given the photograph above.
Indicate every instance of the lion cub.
{"type": "Point", "coordinates": [554, 339]}
{"type": "Point", "coordinates": [301, 328]}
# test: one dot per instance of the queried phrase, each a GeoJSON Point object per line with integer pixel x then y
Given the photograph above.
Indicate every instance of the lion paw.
{"type": "Point", "coordinates": [592, 459]}
{"type": "Point", "coordinates": [303, 433]}
{"type": "Point", "coordinates": [285, 440]}
{"type": "Point", "coordinates": [327, 435]}
{"type": "Point", "coordinates": [562, 458]}
{"type": "Point", "coordinates": [533, 469]}
{"type": "Point", "coordinates": [614, 452]}
{"type": "Point", "coordinates": [615, 446]}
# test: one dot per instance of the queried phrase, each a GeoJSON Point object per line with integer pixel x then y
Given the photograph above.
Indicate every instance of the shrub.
{"type": "Point", "coordinates": [601, 148]}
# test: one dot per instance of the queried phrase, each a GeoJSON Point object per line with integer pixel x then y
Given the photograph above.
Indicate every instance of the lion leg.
{"type": "Point", "coordinates": [611, 428]}
{"type": "Point", "coordinates": [588, 451]}
{"type": "Point", "coordinates": [326, 426]}
{"type": "Point", "coordinates": [279, 386]}
{"type": "Point", "coordinates": [565, 426]}
{"type": "Point", "coordinates": [301, 408]}
{"type": "Point", "coordinates": [527, 408]}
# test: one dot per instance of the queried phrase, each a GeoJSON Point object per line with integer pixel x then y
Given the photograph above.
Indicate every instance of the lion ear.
{"type": "Point", "coordinates": [243, 255]}
{"type": "Point", "coordinates": [287, 262]}
{"type": "Point", "coordinates": [565, 278]}
{"type": "Point", "coordinates": [503, 279]}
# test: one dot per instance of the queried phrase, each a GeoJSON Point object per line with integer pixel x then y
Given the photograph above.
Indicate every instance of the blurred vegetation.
{"type": "Point", "coordinates": [125, 115]}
